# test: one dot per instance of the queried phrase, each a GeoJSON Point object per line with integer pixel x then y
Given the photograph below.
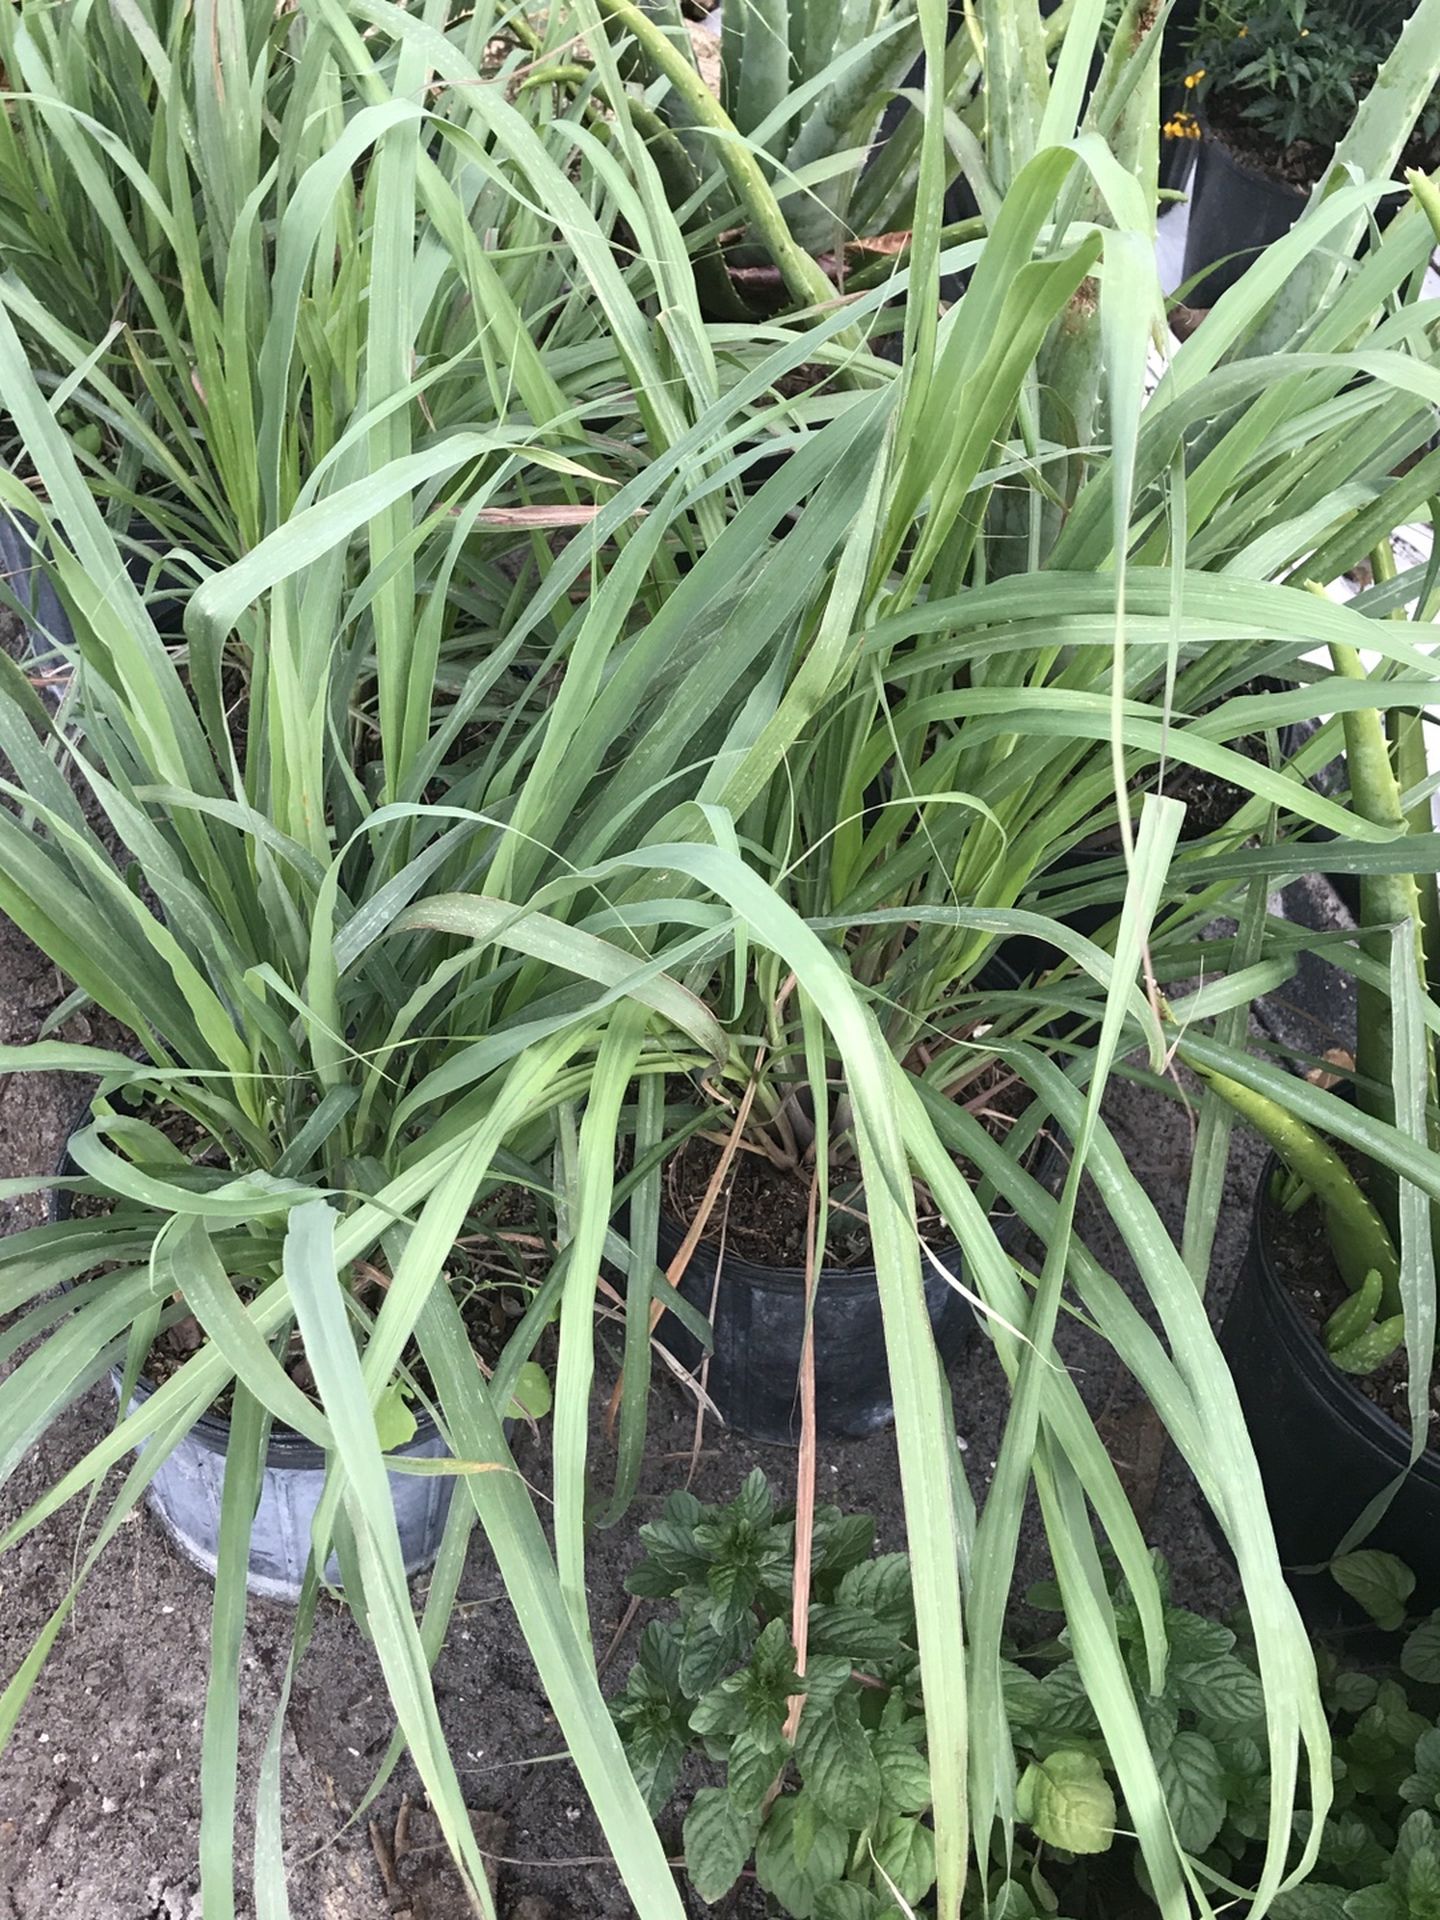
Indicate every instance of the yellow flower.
{"type": "Point", "coordinates": [1194, 79]}
{"type": "Point", "coordinates": [1242, 33]}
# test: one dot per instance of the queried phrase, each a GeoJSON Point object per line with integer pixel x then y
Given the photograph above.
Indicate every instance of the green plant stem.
{"type": "Point", "coordinates": [671, 162]}
{"type": "Point", "coordinates": [1406, 730]}
{"type": "Point", "coordinates": [802, 277]}
{"type": "Point", "coordinates": [1359, 1237]}
{"type": "Point", "coordinates": [1385, 898]}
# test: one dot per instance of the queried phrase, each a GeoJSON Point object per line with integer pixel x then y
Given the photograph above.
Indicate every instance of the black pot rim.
{"type": "Point", "coordinates": [1360, 1413]}
{"type": "Point", "coordinates": [951, 1255]}
{"type": "Point", "coordinates": [793, 1279]}
{"type": "Point", "coordinates": [1215, 144]}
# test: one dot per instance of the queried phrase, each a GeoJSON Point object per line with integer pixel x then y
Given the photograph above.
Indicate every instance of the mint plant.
{"type": "Point", "coordinates": [1379, 1855]}
{"type": "Point", "coordinates": [1205, 1727]}
{"type": "Point", "coordinates": [837, 1821]}
{"type": "Point", "coordinates": [834, 1821]}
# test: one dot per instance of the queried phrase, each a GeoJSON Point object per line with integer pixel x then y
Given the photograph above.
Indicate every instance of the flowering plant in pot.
{"type": "Point", "coordinates": [1276, 88]}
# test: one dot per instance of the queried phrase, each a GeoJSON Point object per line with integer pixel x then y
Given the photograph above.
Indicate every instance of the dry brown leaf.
{"type": "Point", "coordinates": [880, 243]}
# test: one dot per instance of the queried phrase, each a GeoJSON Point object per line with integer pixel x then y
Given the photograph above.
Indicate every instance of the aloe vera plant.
{"type": "Point", "coordinates": [804, 89]}
{"type": "Point", "coordinates": [791, 145]}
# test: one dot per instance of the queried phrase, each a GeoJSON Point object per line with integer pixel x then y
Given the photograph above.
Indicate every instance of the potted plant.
{"type": "Point", "coordinates": [1275, 88]}
{"type": "Point", "coordinates": [681, 656]}
{"type": "Point", "coordinates": [1339, 1283]}
{"type": "Point", "coordinates": [784, 1272]}
{"type": "Point", "coordinates": [243, 1245]}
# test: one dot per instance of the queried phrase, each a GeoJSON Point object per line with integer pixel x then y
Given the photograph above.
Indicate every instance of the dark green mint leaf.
{"type": "Point", "coordinates": [836, 1763]}
{"type": "Point", "coordinates": [904, 1771]}
{"type": "Point", "coordinates": [1193, 1780]}
{"type": "Point", "coordinates": [1420, 1656]}
{"type": "Point", "coordinates": [905, 1855]}
{"type": "Point", "coordinates": [1223, 1689]}
{"type": "Point", "coordinates": [1381, 1583]}
{"type": "Point", "coordinates": [882, 1587]}
{"type": "Point", "coordinates": [752, 1767]}
{"type": "Point", "coordinates": [1067, 1705]}
{"type": "Point", "coordinates": [843, 1541]}
{"type": "Point", "coordinates": [853, 1631]}
{"type": "Point", "coordinates": [719, 1837]}
{"type": "Point", "coordinates": [1024, 1694]}
{"type": "Point", "coordinates": [781, 1874]}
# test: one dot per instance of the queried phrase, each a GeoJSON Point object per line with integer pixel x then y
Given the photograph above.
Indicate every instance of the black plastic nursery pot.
{"type": "Point", "coordinates": [1325, 1450]}
{"type": "Point", "coordinates": [1235, 213]}
{"type": "Point", "coordinates": [757, 1317]}
{"type": "Point", "coordinates": [185, 1497]}
{"type": "Point", "coordinates": [758, 1327]}
{"type": "Point", "coordinates": [1346, 885]}
{"type": "Point", "coordinates": [48, 625]}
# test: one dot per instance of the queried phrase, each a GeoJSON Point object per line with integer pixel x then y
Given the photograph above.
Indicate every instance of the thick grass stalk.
{"type": "Point", "coordinates": [802, 277]}
{"type": "Point", "coordinates": [1359, 1237]}
{"type": "Point", "coordinates": [1386, 899]}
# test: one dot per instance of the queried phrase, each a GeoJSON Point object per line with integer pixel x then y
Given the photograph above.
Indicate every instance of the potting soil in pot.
{"type": "Point", "coordinates": [747, 1276]}
{"type": "Point", "coordinates": [763, 1210]}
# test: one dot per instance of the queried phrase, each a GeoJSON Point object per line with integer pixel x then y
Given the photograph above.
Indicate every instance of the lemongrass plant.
{"type": "Point", "coordinates": [632, 817]}
{"type": "Point", "coordinates": [269, 777]}
{"type": "Point", "coordinates": [196, 204]}
{"type": "Point", "coordinates": [283, 1005]}
{"type": "Point", "coordinates": [1158, 515]}
{"type": "Point", "coordinates": [784, 627]}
